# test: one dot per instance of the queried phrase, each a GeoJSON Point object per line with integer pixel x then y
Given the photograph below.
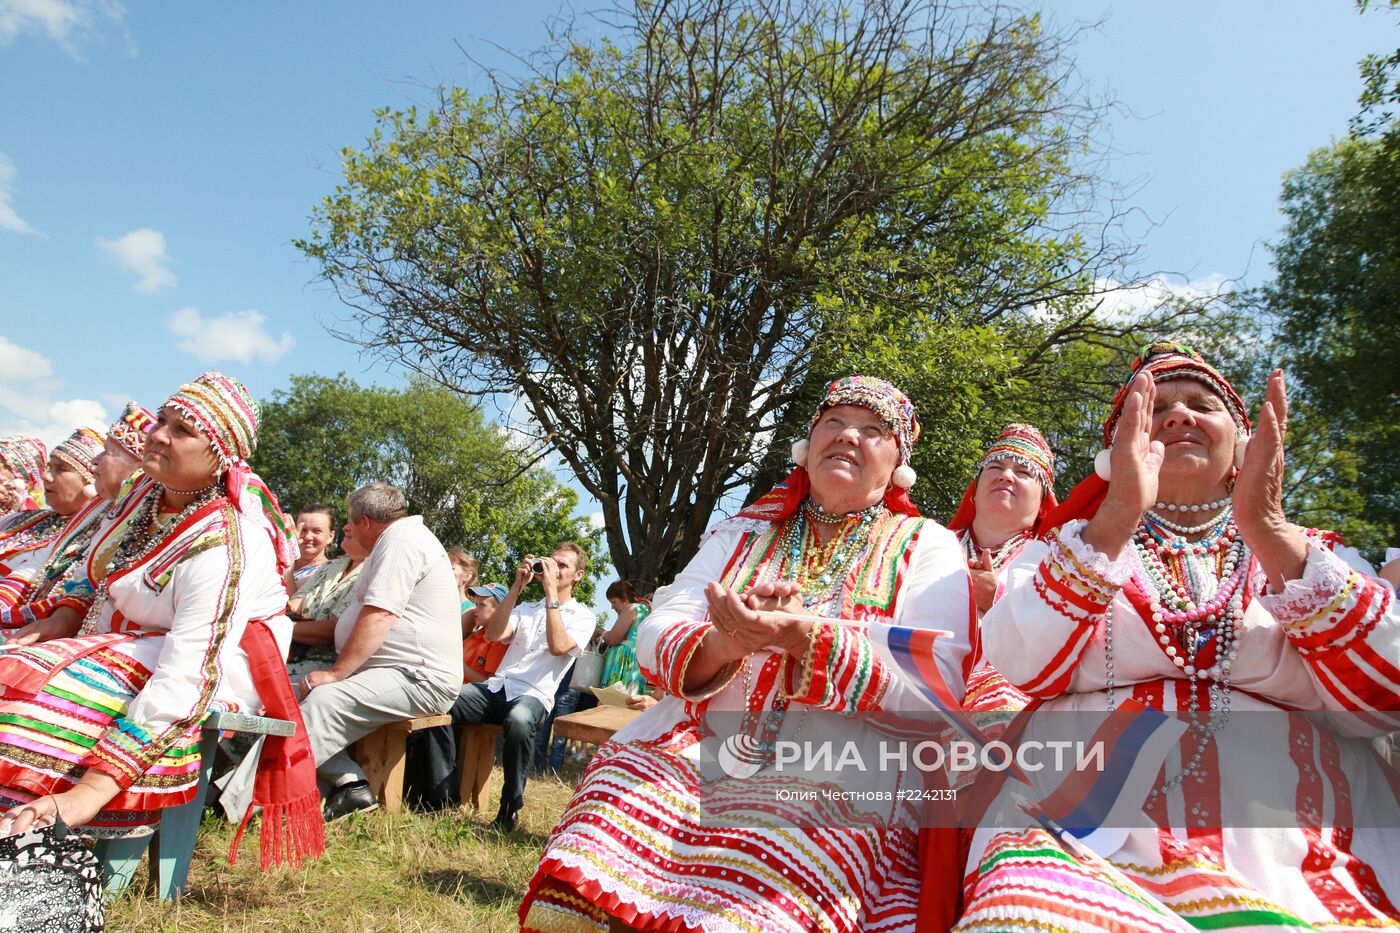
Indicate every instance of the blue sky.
{"type": "Point", "coordinates": [157, 160]}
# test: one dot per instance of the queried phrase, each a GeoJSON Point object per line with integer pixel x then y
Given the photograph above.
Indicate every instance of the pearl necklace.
{"type": "Point", "coordinates": [1170, 525]}
{"type": "Point", "coordinates": [821, 516]}
{"type": "Point", "coordinates": [820, 568]}
{"type": "Point", "coordinates": [999, 556]}
{"type": "Point", "coordinates": [1199, 507]}
{"type": "Point", "coordinates": [1198, 603]}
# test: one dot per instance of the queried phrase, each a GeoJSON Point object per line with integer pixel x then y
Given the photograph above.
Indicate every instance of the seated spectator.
{"type": "Point", "coordinates": [318, 605]}
{"type": "Point", "coordinates": [430, 776]}
{"type": "Point", "coordinates": [397, 649]}
{"type": "Point", "coordinates": [22, 462]}
{"type": "Point", "coordinates": [480, 655]}
{"type": "Point", "coordinates": [464, 569]}
{"type": "Point", "coordinates": [315, 532]}
{"type": "Point", "coordinates": [543, 639]}
{"type": "Point", "coordinates": [620, 667]}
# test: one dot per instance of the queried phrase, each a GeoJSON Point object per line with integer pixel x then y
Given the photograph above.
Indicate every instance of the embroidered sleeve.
{"type": "Point", "coordinates": [838, 672]}
{"type": "Point", "coordinates": [1345, 626]}
{"type": "Point", "coordinates": [668, 638]}
{"type": "Point", "coordinates": [1037, 632]}
{"type": "Point", "coordinates": [187, 672]}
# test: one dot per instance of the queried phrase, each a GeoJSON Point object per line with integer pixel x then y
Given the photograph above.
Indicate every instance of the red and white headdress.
{"type": "Point", "coordinates": [1025, 445]}
{"type": "Point", "coordinates": [130, 429]}
{"type": "Point", "coordinates": [79, 450]}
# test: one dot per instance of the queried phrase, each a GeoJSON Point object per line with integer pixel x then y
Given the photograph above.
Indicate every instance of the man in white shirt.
{"type": "Point", "coordinates": [544, 639]}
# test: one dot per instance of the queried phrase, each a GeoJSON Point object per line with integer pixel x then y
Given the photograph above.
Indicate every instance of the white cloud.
{"type": "Point", "coordinates": [142, 253]}
{"type": "Point", "coordinates": [64, 22]}
{"type": "Point", "coordinates": [21, 364]}
{"type": "Point", "coordinates": [237, 335]}
{"type": "Point", "coordinates": [1121, 302]}
{"type": "Point", "coordinates": [30, 401]}
{"type": "Point", "coordinates": [9, 217]}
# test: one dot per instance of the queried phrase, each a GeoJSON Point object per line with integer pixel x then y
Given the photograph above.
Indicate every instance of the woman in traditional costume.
{"type": "Point", "coordinates": [22, 461]}
{"type": "Point", "coordinates": [27, 537]}
{"type": "Point", "coordinates": [1177, 581]}
{"type": "Point", "coordinates": [188, 617]}
{"type": "Point", "coordinates": [637, 848]}
{"type": "Point", "coordinates": [57, 594]}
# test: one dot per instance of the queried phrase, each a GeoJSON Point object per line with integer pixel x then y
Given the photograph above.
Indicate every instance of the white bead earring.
{"type": "Point", "coordinates": [904, 476]}
{"type": "Point", "coordinates": [799, 452]}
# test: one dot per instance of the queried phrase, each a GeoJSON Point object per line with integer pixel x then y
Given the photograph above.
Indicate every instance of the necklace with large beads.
{"type": "Point", "coordinates": [144, 534]}
{"type": "Point", "coordinates": [1196, 593]}
{"type": "Point", "coordinates": [999, 556]}
{"type": "Point", "coordinates": [820, 568]}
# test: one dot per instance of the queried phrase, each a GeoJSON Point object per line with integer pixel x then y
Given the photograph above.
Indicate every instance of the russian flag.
{"type": "Point", "coordinates": [1135, 741]}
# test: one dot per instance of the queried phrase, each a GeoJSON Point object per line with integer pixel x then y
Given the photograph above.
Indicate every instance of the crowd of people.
{"type": "Point", "coordinates": [148, 577]}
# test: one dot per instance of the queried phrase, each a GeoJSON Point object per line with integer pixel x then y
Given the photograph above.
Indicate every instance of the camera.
{"type": "Point", "coordinates": [537, 567]}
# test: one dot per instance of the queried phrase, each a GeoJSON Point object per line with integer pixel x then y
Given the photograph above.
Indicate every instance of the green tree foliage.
{"type": "Point", "coordinates": [322, 438]}
{"type": "Point", "coordinates": [1335, 300]}
{"type": "Point", "coordinates": [660, 241]}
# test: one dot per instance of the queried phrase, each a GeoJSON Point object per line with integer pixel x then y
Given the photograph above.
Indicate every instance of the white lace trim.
{"type": "Point", "coordinates": [1324, 575]}
{"type": "Point", "coordinates": [1116, 572]}
{"type": "Point", "coordinates": [738, 524]}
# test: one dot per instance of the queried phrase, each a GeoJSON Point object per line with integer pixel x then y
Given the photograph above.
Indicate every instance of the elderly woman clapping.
{"type": "Point", "coordinates": [1177, 581]}
{"type": "Point", "coordinates": [759, 623]}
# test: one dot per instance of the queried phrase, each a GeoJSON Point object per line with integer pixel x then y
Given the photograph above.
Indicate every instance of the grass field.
{"type": "Point", "coordinates": [403, 872]}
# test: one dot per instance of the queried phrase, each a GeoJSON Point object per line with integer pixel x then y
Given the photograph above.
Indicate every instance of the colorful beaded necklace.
{"type": "Point", "coordinates": [1195, 604]}
{"type": "Point", "coordinates": [1008, 549]}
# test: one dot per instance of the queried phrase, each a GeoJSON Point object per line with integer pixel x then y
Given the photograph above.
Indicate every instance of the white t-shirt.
{"type": "Point", "coordinates": [408, 574]}
{"type": "Point", "coordinates": [527, 667]}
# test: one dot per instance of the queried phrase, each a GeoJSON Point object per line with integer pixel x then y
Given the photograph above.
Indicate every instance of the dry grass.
{"type": "Point", "coordinates": [403, 872]}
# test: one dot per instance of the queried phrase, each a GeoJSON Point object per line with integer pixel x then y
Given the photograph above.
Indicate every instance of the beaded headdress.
{"type": "Point", "coordinates": [26, 457]}
{"type": "Point", "coordinates": [130, 429]}
{"type": "Point", "coordinates": [890, 405]}
{"type": "Point", "coordinates": [79, 451]}
{"type": "Point", "coordinates": [1025, 445]}
{"type": "Point", "coordinates": [1165, 360]}
{"type": "Point", "coordinates": [222, 408]}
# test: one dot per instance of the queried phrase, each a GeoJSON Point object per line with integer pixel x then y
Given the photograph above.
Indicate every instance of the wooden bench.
{"type": "Point", "coordinates": [382, 754]}
{"type": "Point", "coordinates": [476, 755]}
{"type": "Point", "coordinates": [594, 726]}
{"type": "Point", "coordinates": [172, 844]}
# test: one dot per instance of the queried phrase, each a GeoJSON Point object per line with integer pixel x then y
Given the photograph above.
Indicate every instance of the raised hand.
{"type": "Point", "coordinates": [1280, 547]}
{"type": "Point", "coordinates": [984, 580]}
{"type": "Point", "coordinates": [1135, 460]}
{"type": "Point", "coordinates": [1258, 497]}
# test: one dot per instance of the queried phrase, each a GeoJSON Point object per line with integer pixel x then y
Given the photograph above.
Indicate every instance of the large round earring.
{"type": "Point", "coordinates": [1103, 464]}
{"type": "Point", "coordinates": [904, 476]}
{"type": "Point", "coordinates": [1241, 445]}
{"type": "Point", "coordinates": [89, 490]}
{"type": "Point", "coordinates": [799, 452]}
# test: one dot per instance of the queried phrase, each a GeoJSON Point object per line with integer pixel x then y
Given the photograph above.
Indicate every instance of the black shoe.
{"type": "Point", "coordinates": [355, 797]}
{"type": "Point", "coordinates": [505, 823]}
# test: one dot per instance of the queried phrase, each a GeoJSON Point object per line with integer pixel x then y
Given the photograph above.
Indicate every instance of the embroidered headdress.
{"type": "Point", "coordinates": [896, 413]}
{"type": "Point", "coordinates": [79, 451]}
{"type": "Point", "coordinates": [892, 406]}
{"type": "Point", "coordinates": [26, 457]}
{"type": "Point", "coordinates": [1165, 360]}
{"type": "Point", "coordinates": [130, 429]}
{"type": "Point", "coordinates": [224, 411]}
{"type": "Point", "coordinates": [1025, 445]}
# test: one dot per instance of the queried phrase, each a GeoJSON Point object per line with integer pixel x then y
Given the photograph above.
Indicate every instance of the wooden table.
{"type": "Point", "coordinates": [595, 725]}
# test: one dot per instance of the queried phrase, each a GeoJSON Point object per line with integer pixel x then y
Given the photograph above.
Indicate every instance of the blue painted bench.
{"type": "Point", "coordinates": [172, 844]}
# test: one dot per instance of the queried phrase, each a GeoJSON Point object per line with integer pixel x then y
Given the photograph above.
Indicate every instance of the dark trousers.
{"type": "Point", "coordinates": [520, 718]}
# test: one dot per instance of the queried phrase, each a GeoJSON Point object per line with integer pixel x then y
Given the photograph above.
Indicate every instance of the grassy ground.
{"type": "Point", "coordinates": [403, 872]}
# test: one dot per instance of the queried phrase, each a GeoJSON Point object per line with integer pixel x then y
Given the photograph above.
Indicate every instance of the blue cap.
{"type": "Point", "coordinates": [488, 589]}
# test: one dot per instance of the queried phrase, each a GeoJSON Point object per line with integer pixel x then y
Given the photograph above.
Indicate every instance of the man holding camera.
{"type": "Point", "coordinates": [544, 637]}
